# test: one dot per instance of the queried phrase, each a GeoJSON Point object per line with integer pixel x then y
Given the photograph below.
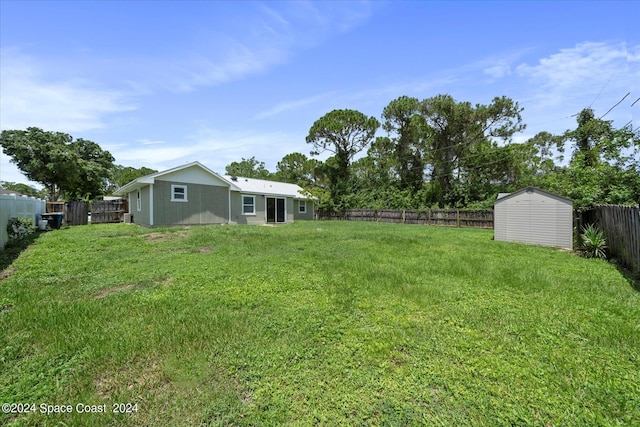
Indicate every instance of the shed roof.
{"type": "Point", "coordinates": [262, 186]}
{"type": "Point", "coordinates": [505, 196]}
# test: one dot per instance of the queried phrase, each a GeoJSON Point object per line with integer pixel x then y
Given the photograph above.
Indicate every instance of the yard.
{"type": "Point", "coordinates": [330, 323]}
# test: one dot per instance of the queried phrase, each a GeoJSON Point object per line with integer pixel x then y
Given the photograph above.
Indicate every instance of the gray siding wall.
{"type": "Point", "coordinates": [308, 215]}
{"type": "Point", "coordinates": [289, 208]}
{"type": "Point", "coordinates": [534, 218]}
{"type": "Point", "coordinates": [236, 209]}
{"type": "Point", "coordinates": [206, 204]}
{"type": "Point", "coordinates": [140, 217]}
{"type": "Point", "coordinates": [260, 216]}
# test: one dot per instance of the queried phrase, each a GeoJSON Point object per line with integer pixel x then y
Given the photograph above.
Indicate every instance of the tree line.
{"type": "Point", "coordinates": [435, 152]}
{"type": "Point", "coordinates": [439, 152]}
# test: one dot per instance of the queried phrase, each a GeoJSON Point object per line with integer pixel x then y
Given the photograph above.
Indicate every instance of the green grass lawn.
{"type": "Point", "coordinates": [329, 323]}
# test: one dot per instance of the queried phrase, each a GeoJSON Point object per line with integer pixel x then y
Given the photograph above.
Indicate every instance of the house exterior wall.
{"type": "Point", "coordinates": [536, 218]}
{"type": "Point", "coordinates": [297, 215]}
{"type": "Point", "coordinates": [260, 216]}
{"type": "Point", "coordinates": [237, 217]}
{"type": "Point", "coordinates": [206, 204]}
{"type": "Point", "coordinates": [140, 217]}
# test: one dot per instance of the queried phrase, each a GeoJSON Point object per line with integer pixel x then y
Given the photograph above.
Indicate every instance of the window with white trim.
{"type": "Point", "coordinates": [248, 205]}
{"type": "Point", "coordinates": [302, 206]}
{"type": "Point", "coordinates": [139, 201]}
{"type": "Point", "coordinates": [178, 193]}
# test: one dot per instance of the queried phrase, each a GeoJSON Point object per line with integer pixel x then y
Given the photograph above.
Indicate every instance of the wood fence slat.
{"type": "Point", "coordinates": [441, 217]}
{"type": "Point", "coordinates": [108, 211]}
{"type": "Point", "coordinates": [621, 226]}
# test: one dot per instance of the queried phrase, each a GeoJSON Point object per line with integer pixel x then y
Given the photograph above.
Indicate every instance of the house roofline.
{"type": "Point", "coordinates": [151, 178]}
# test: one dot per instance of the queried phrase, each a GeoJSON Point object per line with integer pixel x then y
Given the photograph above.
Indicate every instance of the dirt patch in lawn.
{"type": "Point", "coordinates": [6, 273]}
{"type": "Point", "coordinates": [166, 281]}
{"type": "Point", "coordinates": [106, 292]}
{"type": "Point", "coordinates": [156, 237]}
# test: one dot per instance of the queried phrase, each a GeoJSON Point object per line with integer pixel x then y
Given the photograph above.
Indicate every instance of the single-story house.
{"type": "Point", "coordinates": [193, 194]}
{"type": "Point", "coordinates": [531, 215]}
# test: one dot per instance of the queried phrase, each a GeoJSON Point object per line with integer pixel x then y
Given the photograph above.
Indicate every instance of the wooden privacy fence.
{"type": "Point", "coordinates": [621, 226]}
{"type": "Point", "coordinates": [76, 213]}
{"type": "Point", "coordinates": [444, 217]}
{"type": "Point", "coordinates": [104, 211]}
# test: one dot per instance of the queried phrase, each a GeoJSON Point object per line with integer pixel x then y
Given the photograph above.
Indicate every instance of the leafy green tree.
{"type": "Point", "coordinates": [122, 175]}
{"type": "Point", "coordinates": [547, 150]}
{"type": "Point", "coordinates": [460, 131]}
{"type": "Point", "coordinates": [408, 130]}
{"type": "Point", "coordinates": [344, 133]}
{"type": "Point", "coordinates": [297, 168]}
{"type": "Point", "coordinates": [94, 167]}
{"type": "Point", "coordinates": [248, 168]}
{"type": "Point", "coordinates": [604, 166]}
{"type": "Point", "coordinates": [596, 140]}
{"type": "Point", "coordinates": [75, 169]}
{"type": "Point", "coordinates": [23, 189]}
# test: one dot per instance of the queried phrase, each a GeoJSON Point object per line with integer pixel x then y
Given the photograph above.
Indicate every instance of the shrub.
{"type": "Point", "coordinates": [20, 228]}
{"type": "Point", "coordinates": [594, 244]}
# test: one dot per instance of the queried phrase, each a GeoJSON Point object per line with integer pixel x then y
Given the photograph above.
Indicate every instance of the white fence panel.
{"type": "Point", "coordinates": [19, 207]}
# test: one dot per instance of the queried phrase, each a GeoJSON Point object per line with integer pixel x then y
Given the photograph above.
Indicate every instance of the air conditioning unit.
{"type": "Point", "coordinates": [128, 218]}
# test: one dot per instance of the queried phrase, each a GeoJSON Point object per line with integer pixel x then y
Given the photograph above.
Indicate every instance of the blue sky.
{"type": "Point", "coordinates": [161, 83]}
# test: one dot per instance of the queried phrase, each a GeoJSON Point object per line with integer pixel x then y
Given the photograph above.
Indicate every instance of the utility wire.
{"type": "Point", "coordinates": [618, 103]}
{"type": "Point", "coordinates": [605, 85]}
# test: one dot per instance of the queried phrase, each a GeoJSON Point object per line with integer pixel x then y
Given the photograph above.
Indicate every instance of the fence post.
{"type": "Point", "coordinates": [458, 217]}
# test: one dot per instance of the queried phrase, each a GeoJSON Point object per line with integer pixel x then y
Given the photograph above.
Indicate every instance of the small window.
{"type": "Point", "coordinates": [178, 193]}
{"type": "Point", "coordinates": [139, 201]}
{"type": "Point", "coordinates": [248, 205]}
{"type": "Point", "coordinates": [302, 206]}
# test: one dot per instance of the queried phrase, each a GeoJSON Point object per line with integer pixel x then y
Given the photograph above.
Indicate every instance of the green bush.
{"type": "Point", "coordinates": [594, 244]}
{"type": "Point", "coordinates": [20, 228]}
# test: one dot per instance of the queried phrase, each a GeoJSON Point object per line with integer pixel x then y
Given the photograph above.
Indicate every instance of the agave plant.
{"type": "Point", "coordinates": [594, 243]}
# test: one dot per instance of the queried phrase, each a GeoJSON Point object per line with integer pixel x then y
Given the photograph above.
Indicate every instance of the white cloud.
{"type": "Point", "coordinates": [498, 71]}
{"type": "Point", "coordinates": [590, 74]}
{"type": "Point", "coordinates": [29, 98]}
{"type": "Point", "coordinates": [291, 105]}
{"type": "Point", "coordinates": [257, 42]}
{"type": "Point", "coordinates": [581, 70]}
{"type": "Point", "coordinates": [145, 141]}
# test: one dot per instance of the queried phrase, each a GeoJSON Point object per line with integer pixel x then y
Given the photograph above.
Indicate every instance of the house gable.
{"type": "Point", "coordinates": [193, 175]}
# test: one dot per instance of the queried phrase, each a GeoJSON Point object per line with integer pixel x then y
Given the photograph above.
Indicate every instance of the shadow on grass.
{"type": "Point", "coordinates": [631, 277]}
{"type": "Point", "coordinates": [13, 250]}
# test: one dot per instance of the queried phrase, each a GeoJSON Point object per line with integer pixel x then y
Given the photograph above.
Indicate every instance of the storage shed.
{"type": "Point", "coordinates": [534, 216]}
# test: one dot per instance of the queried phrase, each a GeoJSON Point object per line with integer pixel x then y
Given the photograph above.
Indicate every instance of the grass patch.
{"type": "Point", "coordinates": [332, 323]}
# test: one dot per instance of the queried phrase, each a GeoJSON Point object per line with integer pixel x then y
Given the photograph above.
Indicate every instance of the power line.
{"type": "Point", "coordinates": [605, 85]}
{"type": "Point", "coordinates": [618, 103]}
